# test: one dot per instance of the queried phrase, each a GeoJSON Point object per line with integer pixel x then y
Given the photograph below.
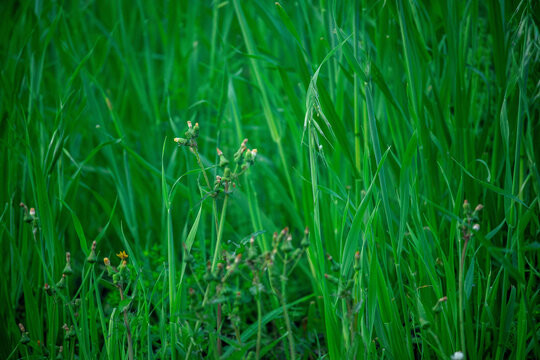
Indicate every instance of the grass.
{"type": "Point", "coordinates": [353, 232]}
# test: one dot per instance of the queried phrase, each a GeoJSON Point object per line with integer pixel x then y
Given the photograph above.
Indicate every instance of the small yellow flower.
{"type": "Point", "coordinates": [122, 255]}
{"type": "Point", "coordinates": [106, 261]}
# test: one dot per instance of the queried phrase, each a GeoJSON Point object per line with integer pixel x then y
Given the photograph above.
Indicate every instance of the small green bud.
{"type": "Point", "coordinates": [223, 161]}
{"type": "Point", "coordinates": [286, 246]}
{"type": "Point", "coordinates": [25, 339]}
{"type": "Point", "coordinates": [335, 265]}
{"type": "Point", "coordinates": [30, 215]}
{"type": "Point", "coordinates": [67, 270]}
{"type": "Point", "coordinates": [61, 284]}
{"type": "Point", "coordinates": [332, 279]}
{"type": "Point", "coordinates": [219, 271]}
{"type": "Point", "coordinates": [180, 141]}
{"type": "Point", "coordinates": [250, 156]}
{"type": "Point", "coordinates": [48, 290]}
{"type": "Point", "coordinates": [92, 258]}
{"type": "Point", "coordinates": [438, 306]}
{"type": "Point", "coordinates": [238, 156]}
{"type": "Point", "coordinates": [70, 332]}
{"type": "Point", "coordinates": [252, 250]}
{"type": "Point", "coordinates": [59, 356]}
{"type": "Point", "coordinates": [357, 261]}
{"type": "Point", "coordinates": [466, 207]}
{"type": "Point", "coordinates": [305, 240]}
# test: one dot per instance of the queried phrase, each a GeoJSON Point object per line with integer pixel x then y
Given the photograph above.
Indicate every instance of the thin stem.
{"type": "Point", "coordinates": [218, 329]}
{"type": "Point", "coordinates": [283, 299]}
{"type": "Point", "coordinates": [214, 263]}
{"type": "Point", "coordinates": [128, 329]}
{"type": "Point", "coordinates": [220, 232]}
{"type": "Point", "coordinates": [237, 333]}
{"type": "Point", "coordinates": [461, 310]}
{"type": "Point", "coordinates": [259, 325]}
{"type": "Point", "coordinates": [214, 205]}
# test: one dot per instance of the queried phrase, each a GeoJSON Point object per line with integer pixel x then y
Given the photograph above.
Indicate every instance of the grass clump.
{"type": "Point", "coordinates": [379, 126]}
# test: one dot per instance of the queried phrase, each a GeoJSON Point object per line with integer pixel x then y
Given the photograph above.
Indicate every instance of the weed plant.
{"type": "Point", "coordinates": [392, 210]}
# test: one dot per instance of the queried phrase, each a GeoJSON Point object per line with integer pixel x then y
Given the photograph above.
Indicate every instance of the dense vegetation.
{"type": "Point", "coordinates": [390, 210]}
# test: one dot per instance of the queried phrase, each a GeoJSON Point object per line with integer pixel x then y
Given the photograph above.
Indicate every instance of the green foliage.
{"type": "Point", "coordinates": [375, 122]}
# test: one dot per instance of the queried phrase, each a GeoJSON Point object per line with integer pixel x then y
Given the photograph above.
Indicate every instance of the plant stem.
{"type": "Point", "coordinates": [461, 310]}
{"type": "Point", "coordinates": [218, 329]}
{"type": "Point", "coordinates": [214, 263]}
{"type": "Point", "coordinates": [220, 232]}
{"type": "Point", "coordinates": [128, 329]}
{"type": "Point", "coordinates": [283, 299]}
{"type": "Point", "coordinates": [214, 205]}
{"type": "Point", "coordinates": [259, 325]}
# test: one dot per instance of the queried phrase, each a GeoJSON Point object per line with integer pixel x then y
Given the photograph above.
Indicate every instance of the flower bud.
{"type": "Point", "coordinates": [60, 356]}
{"type": "Point", "coordinates": [438, 306]}
{"type": "Point", "coordinates": [275, 239]}
{"type": "Point", "coordinates": [48, 290]}
{"type": "Point", "coordinates": [466, 207]}
{"type": "Point", "coordinates": [305, 240]}
{"type": "Point", "coordinates": [180, 141]}
{"type": "Point", "coordinates": [357, 261]}
{"type": "Point", "coordinates": [61, 284]}
{"type": "Point", "coordinates": [287, 246]}
{"type": "Point", "coordinates": [92, 258]}
{"type": "Point", "coordinates": [332, 279]}
{"type": "Point", "coordinates": [25, 339]}
{"type": "Point", "coordinates": [67, 269]}
{"type": "Point", "coordinates": [250, 156]}
{"type": "Point", "coordinates": [110, 270]}
{"type": "Point", "coordinates": [238, 155]}
{"type": "Point", "coordinates": [223, 161]}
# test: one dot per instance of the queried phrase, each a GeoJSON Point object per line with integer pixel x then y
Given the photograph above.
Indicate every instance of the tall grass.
{"type": "Point", "coordinates": [374, 121]}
